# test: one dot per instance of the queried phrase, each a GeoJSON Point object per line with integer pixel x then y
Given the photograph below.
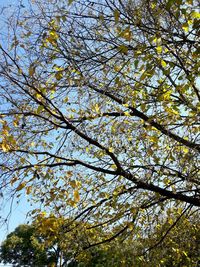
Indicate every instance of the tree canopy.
{"type": "Point", "coordinates": [23, 247]}
{"type": "Point", "coordinates": [100, 110]}
{"type": "Point", "coordinates": [45, 244]}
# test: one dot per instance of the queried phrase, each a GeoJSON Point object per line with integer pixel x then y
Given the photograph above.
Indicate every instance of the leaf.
{"type": "Point", "coordinates": [4, 147]}
{"type": "Point", "coordinates": [166, 96]}
{"type": "Point", "coordinates": [14, 179]}
{"type": "Point", "coordinates": [169, 4]}
{"type": "Point", "coordinates": [110, 149]}
{"type": "Point", "coordinates": [76, 196]}
{"type": "Point", "coordinates": [195, 15]}
{"type": "Point", "coordinates": [127, 113]}
{"type": "Point", "coordinates": [63, 18]}
{"type": "Point", "coordinates": [159, 49]}
{"type": "Point", "coordinates": [58, 75]}
{"type": "Point", "coordinates": [126, 34]}
{"type": "Point", "coordinates": [166, 181]}
{"type": "Point", "coordinates": [123, 49]}
{"type": "Point", "coordinates": [136, 62]}
{"type": "Point", "coordinates": [39, 109]}
{"type": "Point", "coordinates": [131, 226]}
{"type": "Point", "coordinates": [21, 186]}
{"type": "Point", "coordinates": [153, 139]}
{"type": "Point", "coordinates": [96, 108]}
{"type": "Point", "coordinates": [163, 63]}
{"type": "Point", "coordinates": [28, 190]}
{"type": "Point", "coordinates": [54, 35]}
{"type": "Point", "coordinates": [185, 27]}
{"type": "Point", "coordinates": [73, 184]}
{"type": "Point", "coordinates": [31, 70]}
{"type": "Point", "coordinates": [117, 68]}
{"type": "Point", "coordinates": [70, 2]}
{"type": "Point", "coordinates": [185, 253]}
{"type": "Point", "coordinates": [143, 107]}
{"type": "Point", "coordinates": [116, 15]}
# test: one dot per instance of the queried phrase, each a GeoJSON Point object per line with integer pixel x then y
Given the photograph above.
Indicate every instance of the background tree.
{"type": "Point", "coordinates": [100, 111]}
{"type": "Point", "coordinates": [39, 244]}
{"type": "Point", "coordinates": [171, 243]}
{"type": "Point", "coordinates": [23, 248]}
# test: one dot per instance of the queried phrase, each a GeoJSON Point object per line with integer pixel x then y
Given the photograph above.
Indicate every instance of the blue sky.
{"type": "Point", "coordinates": [18, 216]}
{"type": "Point", "coordinates": [19, 211]}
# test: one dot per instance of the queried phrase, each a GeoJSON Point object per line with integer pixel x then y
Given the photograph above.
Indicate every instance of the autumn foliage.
{"type": "Point", "coordinates": [100, 110]}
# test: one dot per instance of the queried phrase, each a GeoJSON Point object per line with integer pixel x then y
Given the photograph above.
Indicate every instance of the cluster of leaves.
{"type": "Point", "coordinates": [100, 111]}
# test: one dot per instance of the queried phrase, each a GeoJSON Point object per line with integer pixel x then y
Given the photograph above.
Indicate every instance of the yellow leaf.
{"type": "Point", "coordinates": [39, 109]}
{"type": "Point", "coordinates": [110, 149]}
{"type": "Point", "coordinates": [117, 68]}
{"type": "Point", "coordinates": [126, 34]}
{"type": "Point", "coordinates": [20, 71]}
{"type": "Point", "coordinates": [28, 190]}
{"type": "Point", "coordinates": [126, 113]}
{"type": "Point", "coordinates": [171, 111]}
{"type": "Point", "coordinates": [96, 108]}
{"type": "Point", "coordinates": [185, 253]}
{"type": "Point", "coordinates": [126, 105]}
{"type": "Point", "coordinates": [166, 181]}
{"type": "Point", "coordinates": [131, 226]}
{"type": "Point", "coordinates": [66, 99]}
{"type": "Point", "coordinates": [5, 147]}
{"type": "Point", "coordinates": [163, 63]}
{"type": "Point", "coordinates": [73, 184]}
{"type": "Point", "coordinates": [54, 35]}
{"type": "Point", "coordinates": [185, 27]}
{"type": "Point", "coordinates": [14, 179]}
{"type": "Point", "coordinates": [159, 49]}
{"type": "Point", "coordinates": [58, 68]}
{"type": "Point", "coordinates": [16, 122]}
{"type": "Point", "coordinates": [78, 183]}
{"type": "Point", "coordinates": [185, 150]}
{"type": "Point", "coordinates": [153, 139]}
{"type": "Point", "coordinates": [21, 186]}
{"type": "Point", "coordinates": [190, 2]}
{"type": "Point", "coordinates": [76, 196]}
{"type": "Point", "coordinates": [58, 75]}
{"type": "Point", "coordinates": [166, 95]}
{"type": "Point", "coordinates": [195, 15]}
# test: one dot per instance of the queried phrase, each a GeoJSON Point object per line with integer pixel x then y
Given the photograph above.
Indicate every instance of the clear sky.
{"type": "Point", "coordinates": [19, 211]}
{"type": "Point", "coordinates": [17, 216]}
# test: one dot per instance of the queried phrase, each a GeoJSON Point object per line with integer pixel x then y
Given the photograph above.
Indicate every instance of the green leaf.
{"type": "Point", "coordinates": [39, 109]}
{"type": "Point", "coordinates": [116, 15]}
{"type": "Point", "coordinates": [70, 2]}
{"type": "Point", "coordinates": [123, 49]}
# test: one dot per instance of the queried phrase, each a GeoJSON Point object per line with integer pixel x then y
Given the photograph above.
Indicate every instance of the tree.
{"type": "Point", "coordinates": [23, 248]}
{"type": "Point", "coordinates": [100, 110]}
{"type": "Point", "coordinates": [45, 242]}
{"type": "Point", "coordinates": [39, 244]}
